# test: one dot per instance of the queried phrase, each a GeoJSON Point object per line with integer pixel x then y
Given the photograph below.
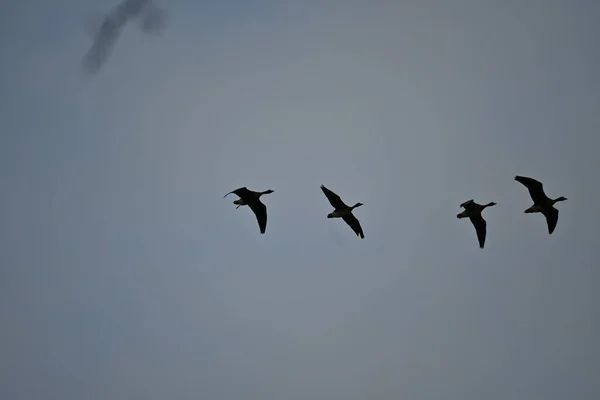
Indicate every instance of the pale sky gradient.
{"type": "Point", "coordinates": [124, 274]}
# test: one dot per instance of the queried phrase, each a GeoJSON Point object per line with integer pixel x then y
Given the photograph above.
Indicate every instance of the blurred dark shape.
{"type": "Point", "coordinates": [153, 20]}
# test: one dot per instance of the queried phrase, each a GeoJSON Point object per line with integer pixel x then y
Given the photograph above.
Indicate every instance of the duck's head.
{"type": "Point", "coordinates": [561, 198]}
{"type": "Point", "coordinates": [357, 205]}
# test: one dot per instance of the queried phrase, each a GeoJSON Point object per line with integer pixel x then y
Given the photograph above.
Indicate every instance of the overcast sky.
{"type": "Point", "coordinates": [124, 274]}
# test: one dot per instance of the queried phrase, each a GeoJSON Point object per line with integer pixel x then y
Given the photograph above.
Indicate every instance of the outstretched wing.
{"type": "Point", "coordinates": [536, 189]}
{"type": "Point", "coordinates": [333, 198]}
{"type": "Point", "coordinates": [103, 44]}
{"type": "Point", "coordinates": [108, 32]}
{"type": "Point", "coordinates": [129, 9]}
{"type": "Point", "coordinates": [480, 227]}
{"type": "Point", "coordinates": [260, 210]}
{"type": "Point", "coordinates": [351, 220]}
{"type": "Point", "coordinates": [240, 192]}
{"type": "Point", "coordinates": [467, 203]}
{"type": "Point", "coordinates": [551, 219]}
{"type": "Point", "coordinates": [153, 19]}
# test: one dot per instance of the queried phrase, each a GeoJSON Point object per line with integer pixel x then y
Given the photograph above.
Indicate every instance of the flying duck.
{"type": "Point", "coordinates": [251, 199]}
{"type": "Point", "coordinates": [473, 212]}
{"type": "Point", "coordinates": [341, 210]}
{"type": "Point", "coordinates": [541, 203]}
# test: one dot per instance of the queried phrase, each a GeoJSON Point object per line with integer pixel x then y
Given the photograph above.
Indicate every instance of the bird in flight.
{"type": "Point", "coordinates": [105, 36]}
{"type": "Point", "coordinates": [541, 203]}
{"type": "Point", "coordinates": [252, 199]}
{"type": "Point", "coordinates": [473, 212]}
{"type": "Point", "coordinates": [343, 211]}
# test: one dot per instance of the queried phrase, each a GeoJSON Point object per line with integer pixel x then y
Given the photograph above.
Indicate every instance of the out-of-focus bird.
{"type": "Point", "coordinates": [106, 32]}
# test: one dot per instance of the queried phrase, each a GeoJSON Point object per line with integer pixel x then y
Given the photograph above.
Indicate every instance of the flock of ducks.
{"type": "Point", "coordinates": [153, 19]}
{"type": "Point", "coordinates": [129, 9]}
{"type": "Point", "coordinates": [251, 199]}
{"type": "Point", "coordinates": [541, 204]}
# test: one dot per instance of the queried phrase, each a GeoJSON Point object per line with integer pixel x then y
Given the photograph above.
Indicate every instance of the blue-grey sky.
{"type": "Point", "coordinates": [124, 274]}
